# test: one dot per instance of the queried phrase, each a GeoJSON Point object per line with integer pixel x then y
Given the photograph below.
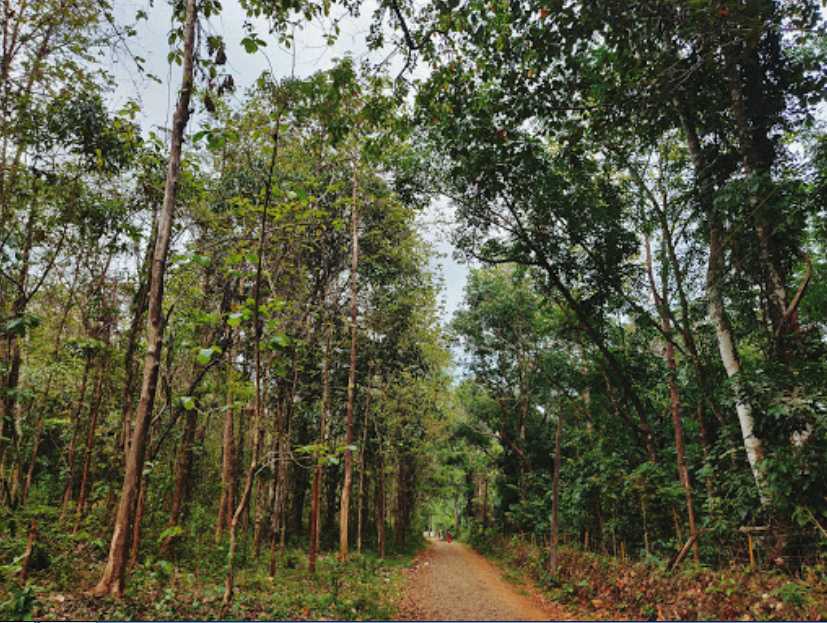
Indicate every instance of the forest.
{"type": "Point", "coordinates": [233, 383]}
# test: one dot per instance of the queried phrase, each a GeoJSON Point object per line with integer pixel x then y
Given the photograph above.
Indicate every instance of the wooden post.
{"type": "Point", "coordinates": [751, 551]}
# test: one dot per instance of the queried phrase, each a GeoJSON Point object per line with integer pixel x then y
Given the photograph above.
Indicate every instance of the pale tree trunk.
{"type": "Point", "coordinates": [266, 492]}
{"type": "Point", "coordinates": [731, 360]}
{"type": "Point", "coordinates": [113, 579]}
{"type": "Point", "coordinates": [344, 507]}
{"type": "Point", "coordinates": [717, 312]}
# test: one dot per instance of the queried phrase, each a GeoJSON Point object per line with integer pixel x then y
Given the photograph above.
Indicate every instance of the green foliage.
{"type": "Point", "coordinates": [20, 603]}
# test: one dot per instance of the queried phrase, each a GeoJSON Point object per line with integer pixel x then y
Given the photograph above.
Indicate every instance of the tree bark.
{"type": "Point", "coordinates": [113, 579]}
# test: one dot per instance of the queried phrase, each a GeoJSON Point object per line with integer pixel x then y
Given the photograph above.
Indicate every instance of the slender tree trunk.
{"type": "Point", "coordinates": [183, 468]}
{"type": "Point", "coordinates": [229, 581]}
{"type": "Point", "coordinates": [85, 477]}
{"type": "Point", "coordinates": [8, 404]}
{"type": "Point", "coordinates": [139, 306]}
{"type": "Point", "coordinates": [278, 519]}
{"type": "Point", "coordinates": [226, 503]}
{"type": "Point", "coordinates": [380, 503]}
{"type": "Point", "coordinates": [662, 303]}
{"type": "Point", "coordinates": [70, 452]}
{"type": "Point", "coordinates": [485, 503]}
{"type": "Point", "coordinates": [257, 430]}
{"type": "Point", "coordinates": [315, 496]}
{"type": "Point", "coordinates": [362, 469]}
{"type": "Point", "coordinates": [47, 391]}
{"type": "Point", "coordinates": [555, 499]}
{"type": "Point", "coordinates": [731, 360]}
{"type": "Point", "coordinates": [344, 507]}
{"type": "Point", "coordinates": [113, 579]}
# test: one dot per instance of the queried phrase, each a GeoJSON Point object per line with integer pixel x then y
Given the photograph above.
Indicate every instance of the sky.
{"type": "Point", "coordinates": [311, 54]}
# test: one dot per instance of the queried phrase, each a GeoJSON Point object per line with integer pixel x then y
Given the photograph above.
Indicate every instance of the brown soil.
{"type": "Point", "coordinates": [452, 582]}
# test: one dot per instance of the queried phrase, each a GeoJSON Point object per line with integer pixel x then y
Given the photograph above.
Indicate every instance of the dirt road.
{"type": "Point", "coordinates": [453, 582]}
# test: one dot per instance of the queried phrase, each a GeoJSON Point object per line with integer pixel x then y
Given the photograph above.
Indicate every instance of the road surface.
{"type": "Point", "coordinates": [452, 582]}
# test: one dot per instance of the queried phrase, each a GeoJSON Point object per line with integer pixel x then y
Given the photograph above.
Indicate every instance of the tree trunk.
{"type": "Point", "coordinates": [278, 518]}
{"type": "Point", "coordinates": [344, 507]}
{"type": "Point", "coordinates": [47, 391]}
{"type": "Point", "coordinates": [228, 463]}
{"type": "Point", "coordinates": [85, 483]}
{"type": "Point", "coordinates": [315, 496]}
{"type": "Point", "coordinates": [257, 430]}
{"type": "Point", "coordinates": [68, 488]}
{"type": "Point", "coordinates": [139, 306]}
{"type": "Point", "coordinates": [555, 499]}
{"type": "Point", "coordinates": [8, 431]}
{"type": "Point", "coordinates": [183, 467]}
{"type": "Point", "coordinates": [135, 537]}
{"type": "Point", "coordinates": [362, 469]}
{"type": "Point", "coordinates": [731, 360]}
{"type": "Point", "coordinates": [717, 312]}
{"type": "Point", "coordinates": [380, 503]}
{"type": "Point", "coordinates": [662, 303]}
{"type": "Point", "coordinates": [113, 579]}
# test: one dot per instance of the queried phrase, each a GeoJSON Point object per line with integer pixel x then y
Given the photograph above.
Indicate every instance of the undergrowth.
{"type": "Point", "coordinates": [191, 586]}
{"type": "Point", "coordinates": [596, 586]}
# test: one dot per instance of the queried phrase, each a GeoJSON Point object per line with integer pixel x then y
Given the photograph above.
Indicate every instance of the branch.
{"type": "Point", "coordinates": [797, 298]}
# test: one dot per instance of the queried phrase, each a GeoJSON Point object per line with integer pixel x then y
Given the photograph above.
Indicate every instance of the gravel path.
{"type": "Point", "coordinates": [452, 582]}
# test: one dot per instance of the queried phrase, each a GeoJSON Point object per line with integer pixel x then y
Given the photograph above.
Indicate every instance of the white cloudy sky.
{"type": "Point", "coordinates": [311, 54]}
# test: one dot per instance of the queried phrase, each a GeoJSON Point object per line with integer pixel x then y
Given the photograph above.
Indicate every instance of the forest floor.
{"type": "Point", "coordinates": [450, 581]}
{"type": "Point", "coordinates": [597, 587]}
{"type": "Point", "coordinates": [190, 586]}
